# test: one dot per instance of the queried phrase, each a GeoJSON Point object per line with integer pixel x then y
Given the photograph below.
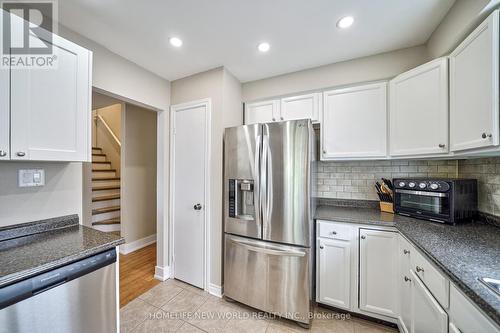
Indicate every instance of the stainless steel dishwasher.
{"type": "Point", "coordinates": [78, 297]}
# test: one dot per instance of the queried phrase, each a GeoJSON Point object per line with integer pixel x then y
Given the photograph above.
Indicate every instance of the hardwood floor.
{"type": "Point", "coordinates": [137, 271]}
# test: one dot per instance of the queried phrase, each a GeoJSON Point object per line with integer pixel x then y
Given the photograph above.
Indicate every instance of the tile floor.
{"type": "Point", "coordinates": [173, 306]}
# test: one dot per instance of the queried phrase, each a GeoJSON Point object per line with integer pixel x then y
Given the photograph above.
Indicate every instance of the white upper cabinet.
{"type": "Point", "coordinates": [50, 108]}
{"type": "Point", "coordinates": [354, 122]}
{"type": "Point", "coordinates": [4, 113]}
{"type": "Point", "coordinates": [474, 89]}
{"type": "Point", "coordinates": [262, 112]}
{"type": "Point", "coordinates": [419, 110]}
{"type": "Point", "coordinates": [301, 107]}
{"type": "Point", "coordinates": [378, 272]}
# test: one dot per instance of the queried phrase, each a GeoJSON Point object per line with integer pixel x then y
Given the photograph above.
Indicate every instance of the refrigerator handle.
{"type": "Point", "coordinates": [268, 167]}
{"type": "Point", "coordinates": [257, 185]}
{"type": "Point", "coordinates": [267, 250]}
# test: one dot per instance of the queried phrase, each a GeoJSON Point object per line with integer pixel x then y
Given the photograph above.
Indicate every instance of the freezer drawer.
{"type": "Point", "coordinates": [270, 277]}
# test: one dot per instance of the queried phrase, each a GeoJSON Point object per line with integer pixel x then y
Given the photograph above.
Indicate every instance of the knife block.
{"type": "Point", "coordinates": [387, 207]}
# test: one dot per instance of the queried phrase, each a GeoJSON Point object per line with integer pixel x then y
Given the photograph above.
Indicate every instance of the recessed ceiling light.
{"type": "Point", "coordinates": [264, 47]}
{"type": "Point", "coordinates": [175, 41]}
{"type": "Point", "coordinates": [345, 22]}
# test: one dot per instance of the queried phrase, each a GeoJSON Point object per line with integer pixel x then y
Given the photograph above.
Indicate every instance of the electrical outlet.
{"type": "Point", "coordinates": [31, 177]}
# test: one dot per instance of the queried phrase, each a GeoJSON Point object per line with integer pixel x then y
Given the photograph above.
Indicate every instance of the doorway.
{"type": "Point", "coordinates": [190, 191]}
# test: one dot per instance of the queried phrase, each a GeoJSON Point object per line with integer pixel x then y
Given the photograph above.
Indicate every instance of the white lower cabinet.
{"type": "Point", "coordinates": [378, 271]}
{"type": "Point", "coordinates": [334, 272]}
{"type": "Point", "coordinates": [405, 252]}
{"type": "Point", "coordinates": [427, 315]}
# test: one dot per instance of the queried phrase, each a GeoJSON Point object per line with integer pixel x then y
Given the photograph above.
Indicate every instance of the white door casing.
{"type": "Point", "coordinates": [189, 174]}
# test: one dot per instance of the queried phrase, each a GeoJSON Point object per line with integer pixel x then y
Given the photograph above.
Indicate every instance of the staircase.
{"type": "Point", "coordinates": [105, 193]}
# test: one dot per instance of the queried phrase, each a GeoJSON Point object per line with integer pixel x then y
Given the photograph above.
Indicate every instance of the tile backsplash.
{"type": "Point", "coordinates": [487, 173]}
{"type": "Point", "coordinates": [356, 179]}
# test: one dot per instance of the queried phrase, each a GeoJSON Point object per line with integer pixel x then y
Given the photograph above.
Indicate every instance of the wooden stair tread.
{"type": "Point", "coordinates": [98, 154]}
{"type": "Point", "coordinates": [106, 178]}
{"type": "Point", "coordinates": [115, 220]}
{"type": "Point", "coordinates": [103, 170]}
{"type": "Point", "coordinates": [105, 187]}
{"type": "Point", "coordinates": [106, 197]}
{"type": "Point", "coordinates": [101, 162]}
{"type": "Point", "coordinates": [99, 148]}
{"type": "Point", "coordinates": [105, 210]}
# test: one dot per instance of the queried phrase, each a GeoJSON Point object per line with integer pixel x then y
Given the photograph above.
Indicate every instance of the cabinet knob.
{"type": "Point", "coordinates": [333, 232]}
{"type": "Point", "coordinates": [405, 251]}
{"type": "Point", "coordinates": [484, 135]}
{"type": "Point", "coordinates": [321, 247]}
{"type": "Point", "coordinates": [274, 119]}
{"type": "Point", "coordinates": [419, 269]}
{"type": "Point", "coordinates": [407, 279]}
{"type": "Point", "coordinates": [197, 206]}
{"type": "Point", "coordinates": [442, 145]}
{"type": "Point", "coordinates": [21, 153]}
{"type": "Point", "coordinates": [363, 237]}
{"type": "Point", "coordinates": [324, 151]}
{"type": "Point", "coordinates": [282, 118]}
{"type": "Point", "coordinates": [3, 153]}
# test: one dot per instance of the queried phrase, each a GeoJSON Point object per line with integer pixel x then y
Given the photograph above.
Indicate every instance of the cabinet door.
{"type": "Point", "coordinates": [474, 89]}
{"type": "Point", "coordinates": [301, 107]}
{"type": "Point", "coordinates": [427, 315]}
{"type": "Point", "coordinates": [354, 122]}
{"type": "Point", "coordinates": [334, 273]}
{"type": "Point", "coordinates": [405, 250]}
{"type": "Point", "coordinates": [378, 271]}
{"type": "Point", "coordinates": [262, 112]}
{"type": "Point", "coordinates": [50, 108]}
{"type": "Point", "coordinates": [4, 113]}
{"type": "Point", "coordinates": [419, 110]}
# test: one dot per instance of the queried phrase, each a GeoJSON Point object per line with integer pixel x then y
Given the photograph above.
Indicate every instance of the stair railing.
{"type": "Point", "coordinates": [98, 117]}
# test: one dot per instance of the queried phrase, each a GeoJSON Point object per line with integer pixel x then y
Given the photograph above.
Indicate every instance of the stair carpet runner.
{"type": "Point", "coordinates": [105, 193]}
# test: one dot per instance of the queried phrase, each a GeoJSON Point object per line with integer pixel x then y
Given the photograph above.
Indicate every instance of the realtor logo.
{"type": "Point", "coordinates": [27, 33]}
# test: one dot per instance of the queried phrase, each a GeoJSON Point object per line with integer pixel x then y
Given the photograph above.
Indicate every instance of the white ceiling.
{"type": "Point", "coordinates": [302, 33]}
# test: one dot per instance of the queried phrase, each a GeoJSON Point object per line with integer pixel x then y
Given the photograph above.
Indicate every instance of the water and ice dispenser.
{"type": "Point", "coordinates": [241, 199]}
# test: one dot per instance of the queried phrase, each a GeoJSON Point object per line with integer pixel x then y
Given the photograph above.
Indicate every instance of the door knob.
{"type": "Point", "coordinates": [3, 153]}
{"type": "Point", "coordinates": [197, 206]}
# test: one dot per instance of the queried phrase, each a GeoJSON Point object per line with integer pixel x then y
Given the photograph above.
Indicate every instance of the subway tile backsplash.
{"type": "Point", "coordinates": [356, 179]}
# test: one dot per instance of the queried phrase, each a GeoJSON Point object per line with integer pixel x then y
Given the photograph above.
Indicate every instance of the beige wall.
{"type": "Point", "coordinates": [61, 195]}
{"type": "Point", "coordinates": [377, 67]}
{"type": "Point", "coordinates": [462, 18]}
{"type": "Point", "coordinates": [138, 192]}
{"type": "Point", "coordinates": [225, 93]}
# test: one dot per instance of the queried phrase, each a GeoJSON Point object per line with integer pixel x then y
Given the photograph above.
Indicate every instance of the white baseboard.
{"type": "Point", "coordinates": [138, 244]}
{"type": "Point", "coordinates": [162, 273]}
{"type": "Point", "coordinates": [215, 290]}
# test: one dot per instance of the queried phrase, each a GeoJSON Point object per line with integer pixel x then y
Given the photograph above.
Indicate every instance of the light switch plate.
{"type": "Point", "coordinates": [31, 177]}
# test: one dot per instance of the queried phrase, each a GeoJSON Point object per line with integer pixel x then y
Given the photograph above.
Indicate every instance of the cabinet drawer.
{"type": "Point", "coordinates": [438, 285]}
{"type": "Point", "coordinates": [464, 316]}
{"type": "Point", "coordinates": [334, 230]}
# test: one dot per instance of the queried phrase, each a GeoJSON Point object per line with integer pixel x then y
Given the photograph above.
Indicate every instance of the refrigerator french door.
{"type": "Point", "coordinates": [268, 227]}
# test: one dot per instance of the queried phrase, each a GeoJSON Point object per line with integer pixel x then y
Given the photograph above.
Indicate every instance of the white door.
{"type": "Point", "coordinates": [474, 88]}
{"type": "Point", "coordinates": [419, 110]}
{"type": "Point", "coordinates": [427, 315]}
{"type": "Point", "coordinates": [378, 271]}
{"type": "Point", "coordinates": [301, 107]}
{"type": "Point", "coordinates": [354, 122]}
{"type": "Point", "coordinates": [334, 270]}
{"type": "Point", "coordinates": [4, 112]}
{"type": "Point", "coordinates": [189, 160]}
{"type": "Point", "coordinates": [50, 108]}
{"type": "Point", "coordinates": [262, 112]}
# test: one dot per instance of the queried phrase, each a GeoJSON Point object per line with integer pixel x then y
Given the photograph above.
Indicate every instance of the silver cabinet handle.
{"type": "Point", "coordinates": [484, 135]}
{"type": "Point", "coordinates": [405, 251]}
{"type": "Point", "coordinates": [197, 206]}
{"type": "Point", "coordinates": [419, 269]}
{"type": "Point", "coordinates": [21, 153]}
{"type": "Point", "coordinates": [442, 145]}
{"type": "Point", "coordinates": [3, 153]}
{"type": "Point", "coordinates": [321, 247]}
{"type": "Point", "coordinates": [407, 279]}
{"type": "Point", "coordinates": [363, 237]}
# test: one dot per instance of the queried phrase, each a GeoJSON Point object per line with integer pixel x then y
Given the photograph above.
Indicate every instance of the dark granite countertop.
{"type": "Point", "coordinates": [464, 252]}
{"type": "Point", "coordinates": [31, 254]}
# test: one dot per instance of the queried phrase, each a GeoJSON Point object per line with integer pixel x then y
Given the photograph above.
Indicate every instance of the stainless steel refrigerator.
{"type": "Point", "coordinates": [267, 217]}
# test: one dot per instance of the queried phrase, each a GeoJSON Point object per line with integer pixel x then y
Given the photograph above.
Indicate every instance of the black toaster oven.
{"type": "Point", "coordinates": [439, 200]}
